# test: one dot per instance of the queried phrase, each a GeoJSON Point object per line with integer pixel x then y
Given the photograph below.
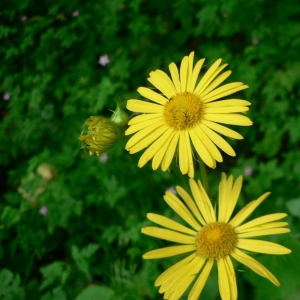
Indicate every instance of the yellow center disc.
{"type": "Point", "coordinates": [216, 240]}
{"type": "Point", "coordinates": [183, 111]}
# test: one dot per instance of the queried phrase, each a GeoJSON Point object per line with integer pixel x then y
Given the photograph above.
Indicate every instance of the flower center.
{"type": "Point", "coordinates": [183, 111]}
{"type": "Point", "coordinates": [216, 240]}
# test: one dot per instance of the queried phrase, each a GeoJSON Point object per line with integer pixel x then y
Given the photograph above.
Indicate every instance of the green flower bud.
{"type": "Point", "coordinates": [119, 116]}
{"type": "Point", "coordinates": [99, 135]}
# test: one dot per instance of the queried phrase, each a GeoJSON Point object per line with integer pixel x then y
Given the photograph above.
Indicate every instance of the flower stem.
{"type": "Point", "coordinates": [203, 175]}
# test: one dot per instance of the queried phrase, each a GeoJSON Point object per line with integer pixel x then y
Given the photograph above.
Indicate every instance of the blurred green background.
{"type": "Point", "coordinates": [70, 223]}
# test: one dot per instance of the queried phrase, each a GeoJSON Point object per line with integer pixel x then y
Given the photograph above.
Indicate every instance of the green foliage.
{"type": "Point", "coordinates": [75, 233]}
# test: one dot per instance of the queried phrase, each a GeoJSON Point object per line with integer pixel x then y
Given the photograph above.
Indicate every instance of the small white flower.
{"type": "Point", "coordinates": [248, 171]}
{"type": "Point", "coordinates": [103, 157]}
{"type": "Point", "coordinates": [172, 190]}
{"type": "Point", "coordinates": [103, 60]}
{"type": "Point", "coordinates": [6, 96]}
{"type": "Point", "coordinates": [43, 210]}
{"type": "Point", "coordinates": [75, 13]}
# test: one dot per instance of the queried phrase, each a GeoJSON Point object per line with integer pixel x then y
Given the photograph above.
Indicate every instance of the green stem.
{"type": "Point", "coordinates": [203, 174]}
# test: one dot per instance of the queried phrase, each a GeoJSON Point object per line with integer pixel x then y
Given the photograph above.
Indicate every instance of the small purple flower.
{"type": "Point", "coordinates": [103, 157]}
{"type": "Point", "coordinates": [75, 13]}
{"type": "Point", "coordinates": [255, 41]}
{"type": "Point", "coordinates": [103, 60]}
{"type": "Point", "coordinates": [24, 18]}
{"type": "Point", "coordinates": [43, 210]}
{"type": "Point", "coordinates": [172, 190]}
{"type": "Point", "coordinates": [6, 96]}
{"type": "Point", "coordinates": [248, 171]}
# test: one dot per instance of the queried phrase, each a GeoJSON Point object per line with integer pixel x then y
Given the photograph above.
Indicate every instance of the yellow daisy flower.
{"type": "Point", "coordinates": [213, 237]}
{"type": "Point", "coordinates": [184, 113]}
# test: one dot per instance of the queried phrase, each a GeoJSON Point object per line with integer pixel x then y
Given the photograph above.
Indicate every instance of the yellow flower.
{"type": "Point", "coordinates": [213, 237]}
{"type": "Point", "coordinates": [99, 135]}
{"type": "Point", "coordinates": [185, 112]}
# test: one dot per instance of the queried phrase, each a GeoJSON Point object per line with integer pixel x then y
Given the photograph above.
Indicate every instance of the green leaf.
{"type": "Point", "coordinates": [96, 293]}
{"type": "Point", "coordinates": [81, 257]}
{"type": "Point", "coordinates": [293, 206]}
{"type": "Point", "coordinates": [10, 215]}
{"type": "Point", "coordinates": [55, 294]}
{"type": "Point", "coordinates": [52, 273]}
{"type": "Point", "coordinates": [10, 286]}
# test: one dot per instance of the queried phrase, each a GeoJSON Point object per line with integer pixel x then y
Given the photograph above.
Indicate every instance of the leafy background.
{"type": "Point", "coordinates": [70, 223]}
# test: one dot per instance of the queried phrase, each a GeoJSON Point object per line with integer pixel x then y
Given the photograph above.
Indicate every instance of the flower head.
{"type": "Point", "coordinates": [75, 13]}
{"type": "Point", "coordinates": [6, 96]}
{"type": "Point", "coordinates": [213, 237]}
{"type": "Point", "coordinates": [103, 60]}
{"type": "Point", "coordinates": [119, 116]}
{"type": "Point", "coordinates": [43, 210]}
{"type": "Point", "coordinates": [184, 113]}
{"type": "Point", "coordinates": [99, 135]}
{"type": "Point", "coordinates": [103, 157]}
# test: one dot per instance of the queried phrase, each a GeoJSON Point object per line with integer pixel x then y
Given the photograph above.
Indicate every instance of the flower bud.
{"type": "Point", "coordinates": [99, 135]}
{"type": "Point", "coordinates": [119, 116]}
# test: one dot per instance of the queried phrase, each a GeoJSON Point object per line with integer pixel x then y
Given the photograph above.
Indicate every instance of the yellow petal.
{"type": "Point", "coordinates": [222, 129]}
{"type": "Point", "coordinates": [190, 69]}
{"type": "Point", "coordinates": [190, 203]}
{"type": "Point", "coordinates": [159, 82]}
{"type": "Point", "coordinates": [226, 279]}
{"type": "Point", "coordinates": [232, 119]}
{"type": "Point", "coordinates": [224, 191]}
{"type": "Point", "coordinates": [218, 140]}
{"type": "Point", "coordinates": [225, 109]}
{"type": "Point", "coordinates": [260, 221]}
{"type": "Point", "coordinates": [175, 77]}
{"type": "Point", "coordinates": [228, 102]}
{"type": "Point", "coordinates": [168, 223]}
{"type": "Point", "coordinates": [202, 150]}
{"type": "Point", "coordinates": [141, 125]}
{"type": "Point", "coordinates": [233, 197]}
{"type": "Point", "coordinates": [270, 225]}
{"type": "Point", "coordinates": [185, 154]}
{"type": "Point", "coordinates": [143, 118]}
{"type": "Point", "coordinates": [184, 73]}
{"type": "Point", "coordinates": [163, 278]}
{"type": "Point", "coordinates": [208, 77]}
{"type": "Point", "coordinates": [263, 232]}
{"type": "Point", "coordinates": [181, 210]}
{"type": "Point", "coordinates": [143, 106]}
{"type": "Point", "coordinates": [210, 146]}
{"type": "Point", "coordinates": [184, 279]}
{"type": "Point", "coordinates": [195, 75]}
{"type": "Point", "coordinates": [202, 201]}
{"type": "Point", "coordinates": [200, 283]}
{"type": "Point", "coordinates": [165, 80]}
{"type": "Point", "coordinates": [247, 210]}
{"type": "Point", "coordinates": [216, 83]}
{"type": "Point", "coordinates": [224, 90]}
{"type": "Point", "coordinates": [254, 265]}
{"type": "Point", "coordinates": [179, 281]}
{"type": "Point", "coordinates": [168, 251]}
{"type": "Point", "coordinates": [262, 247]}
{"type": "Point", "coordinates": [138, 141]}
{"type": "Point", "coordinates": [152, 149]}
{"type": "Point", "coordinates": [167, 159]}
{"type": "Point", "coordinates": [168, 235]}
{"type": "Point", "coordinates": [159, 155]}
{"type": "Point", "coordinates": [150, 94]}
